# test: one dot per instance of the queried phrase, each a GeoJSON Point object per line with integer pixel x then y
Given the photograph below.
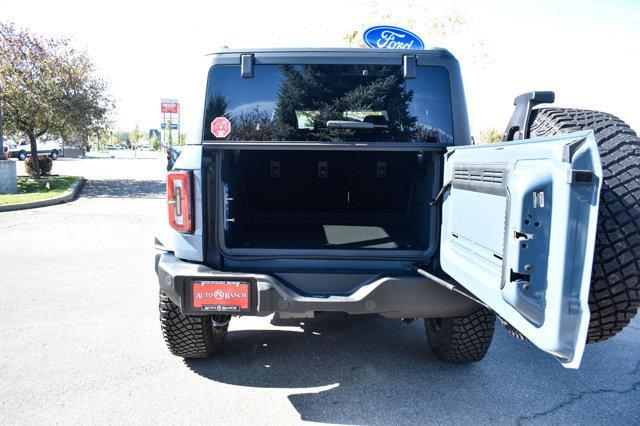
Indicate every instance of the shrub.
{"type": "Point", "coordinates": [44, 162]}
{"type": "Point", "coordinates": [154, 143]}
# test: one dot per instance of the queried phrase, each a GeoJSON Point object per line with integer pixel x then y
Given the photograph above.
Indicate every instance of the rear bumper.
{"type": "Point", "coordinates": [409, 296]}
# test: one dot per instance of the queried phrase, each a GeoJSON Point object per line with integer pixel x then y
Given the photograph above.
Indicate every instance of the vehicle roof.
{"type": "Point", "coordinates": [438, 51]}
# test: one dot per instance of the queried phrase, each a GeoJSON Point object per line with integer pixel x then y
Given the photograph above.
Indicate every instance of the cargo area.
{"type": "Point", "coordinates": [326, 200]}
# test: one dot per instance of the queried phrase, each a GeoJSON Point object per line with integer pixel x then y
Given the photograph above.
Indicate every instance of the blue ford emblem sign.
{"type": "Point", "coordinates": [388, 37]}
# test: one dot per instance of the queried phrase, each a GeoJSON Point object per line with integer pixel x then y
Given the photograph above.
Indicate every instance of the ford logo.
{"type": "Point", "coordinates": [388, 37]}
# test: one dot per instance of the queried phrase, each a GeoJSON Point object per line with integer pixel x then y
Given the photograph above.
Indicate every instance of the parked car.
{"type": "Point", "coordinates": [22, 150]}
{"type": "Point", "coordinates": [306, 202]}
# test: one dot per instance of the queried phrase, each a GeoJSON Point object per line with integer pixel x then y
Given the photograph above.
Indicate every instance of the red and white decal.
{"type": "Point", "coordinates": [220, 127]}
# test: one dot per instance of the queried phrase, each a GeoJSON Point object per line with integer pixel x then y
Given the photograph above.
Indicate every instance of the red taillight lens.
{"type": "Point", "coordinates": [179, 199]}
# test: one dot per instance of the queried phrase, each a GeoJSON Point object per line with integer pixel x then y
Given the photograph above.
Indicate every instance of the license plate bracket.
{"type": "Point", "coordinates": [221, 295]}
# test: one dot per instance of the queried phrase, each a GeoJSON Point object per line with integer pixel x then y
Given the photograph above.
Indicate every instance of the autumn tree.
{"type": "Point", "coordinates": [491, 135]}
{"type": "Point", "coordinates": [49, 89]}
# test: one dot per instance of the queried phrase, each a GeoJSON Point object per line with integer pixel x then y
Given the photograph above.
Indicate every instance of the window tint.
{"type": "Point", "coordinates": [350, 103]}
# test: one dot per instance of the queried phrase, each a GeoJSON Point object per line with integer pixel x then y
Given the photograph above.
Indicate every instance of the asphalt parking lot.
{"type": "Point", "coordinates": [81, 341]}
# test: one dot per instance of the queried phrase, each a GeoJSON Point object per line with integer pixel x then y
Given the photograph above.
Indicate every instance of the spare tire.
{"type": "Point", "coordinates": [614, 293]}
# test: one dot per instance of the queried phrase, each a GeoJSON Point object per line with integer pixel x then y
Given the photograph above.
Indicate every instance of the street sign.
{"type": "Point", "coordinates": [169, 106]}
{"type": "Point", "coordinates": [174, 126]}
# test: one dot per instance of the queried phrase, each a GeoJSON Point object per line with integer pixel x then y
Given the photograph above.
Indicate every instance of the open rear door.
{"type": "Point", "coordinates": [518, 231]}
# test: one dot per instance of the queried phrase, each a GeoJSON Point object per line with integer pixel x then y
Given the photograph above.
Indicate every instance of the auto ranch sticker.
{"type": "Point", "coordinates": [220, 127]}
{"type": "Point", "coordinates": [390, 37]}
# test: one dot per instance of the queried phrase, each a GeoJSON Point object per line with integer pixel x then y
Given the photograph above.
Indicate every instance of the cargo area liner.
{"type": "Point", "coordinates": [364, 202]}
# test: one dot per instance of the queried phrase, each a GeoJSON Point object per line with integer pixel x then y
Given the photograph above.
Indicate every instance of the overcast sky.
{"type": "Point", "coordinates": [587, 51]}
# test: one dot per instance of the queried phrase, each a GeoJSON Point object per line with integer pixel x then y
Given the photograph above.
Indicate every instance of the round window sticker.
{"type": "Point", "coordinates": [220, 127]}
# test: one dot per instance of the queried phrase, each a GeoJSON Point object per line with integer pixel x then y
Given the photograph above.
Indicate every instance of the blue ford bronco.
{"type": "Point", "coordinates": [345, 180]}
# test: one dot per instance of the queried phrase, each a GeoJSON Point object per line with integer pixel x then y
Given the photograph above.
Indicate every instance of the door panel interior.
{"type": "Point", "coordinates": [518, 231]}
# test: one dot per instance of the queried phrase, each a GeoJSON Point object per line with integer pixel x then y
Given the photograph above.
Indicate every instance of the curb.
{"type": "Point", "coordinates": [71, 193]}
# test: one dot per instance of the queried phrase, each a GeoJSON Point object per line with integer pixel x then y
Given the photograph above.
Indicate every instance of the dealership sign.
{"type": "Point", "coordinates": [169, 106]}
{"type": "Point", "coordinates": [389, 37]}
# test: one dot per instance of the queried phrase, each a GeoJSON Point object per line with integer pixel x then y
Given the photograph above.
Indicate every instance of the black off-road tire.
{"type": "Point", "coordinates": [613, 298]}
{"type": "Point", "coordinates": [461, 340]}
{"type": "Point", "coordinates": [189, 336]}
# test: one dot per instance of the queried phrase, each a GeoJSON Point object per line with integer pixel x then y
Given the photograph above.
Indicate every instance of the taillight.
{"type": "Point", "coordinates": [179, 199]}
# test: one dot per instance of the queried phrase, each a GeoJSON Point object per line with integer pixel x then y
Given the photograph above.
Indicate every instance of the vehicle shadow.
{"type": "Point", "coordinates": [123, 188]}
{"type": "Point", "coordinates": [371, 370]}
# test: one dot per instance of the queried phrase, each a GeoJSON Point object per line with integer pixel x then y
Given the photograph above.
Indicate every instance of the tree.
{"type": "Point", "coordinates": [99, 140]}
{"type": "Point", "coordinates": [154, 143]}
{"type": "Point", "coordinates": [217, 106]}
{"type": "Point", "coordinates": [135, 136]}
{"type": "Point", "coordinates": [491, 135]}
{"type": "Point", "coordinates": [169, 139]}
{"type": "Point", "coordinates": [49, 89]}
{"type": "Point", "coordinates": [123, 137]}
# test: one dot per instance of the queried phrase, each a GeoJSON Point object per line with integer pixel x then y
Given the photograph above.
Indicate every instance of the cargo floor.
{"type": "Point", "coordinates": [313, 236]}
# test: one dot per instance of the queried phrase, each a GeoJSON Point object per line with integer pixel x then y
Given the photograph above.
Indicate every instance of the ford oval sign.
{"type": "Point", "coordinates": [388, 37]}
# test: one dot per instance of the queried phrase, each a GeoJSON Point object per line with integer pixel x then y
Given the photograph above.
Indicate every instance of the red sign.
{"type": "Point", "coordinates": [220, 127]}
{"type": "Point", "coordinates": [222, 296]}
{"type": "Point", "coordinates": [169, 107]}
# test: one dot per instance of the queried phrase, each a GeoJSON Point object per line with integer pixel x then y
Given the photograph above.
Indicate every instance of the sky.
{"type": "Point", "coordinates": [587, 51]}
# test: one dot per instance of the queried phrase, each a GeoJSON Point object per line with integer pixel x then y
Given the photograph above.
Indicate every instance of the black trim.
{"type": "Point", "coordinates": [518, 127]}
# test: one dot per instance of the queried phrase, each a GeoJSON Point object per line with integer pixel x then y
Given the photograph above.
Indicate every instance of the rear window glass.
{"type": "Point", "coordinates": [348, 103]}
